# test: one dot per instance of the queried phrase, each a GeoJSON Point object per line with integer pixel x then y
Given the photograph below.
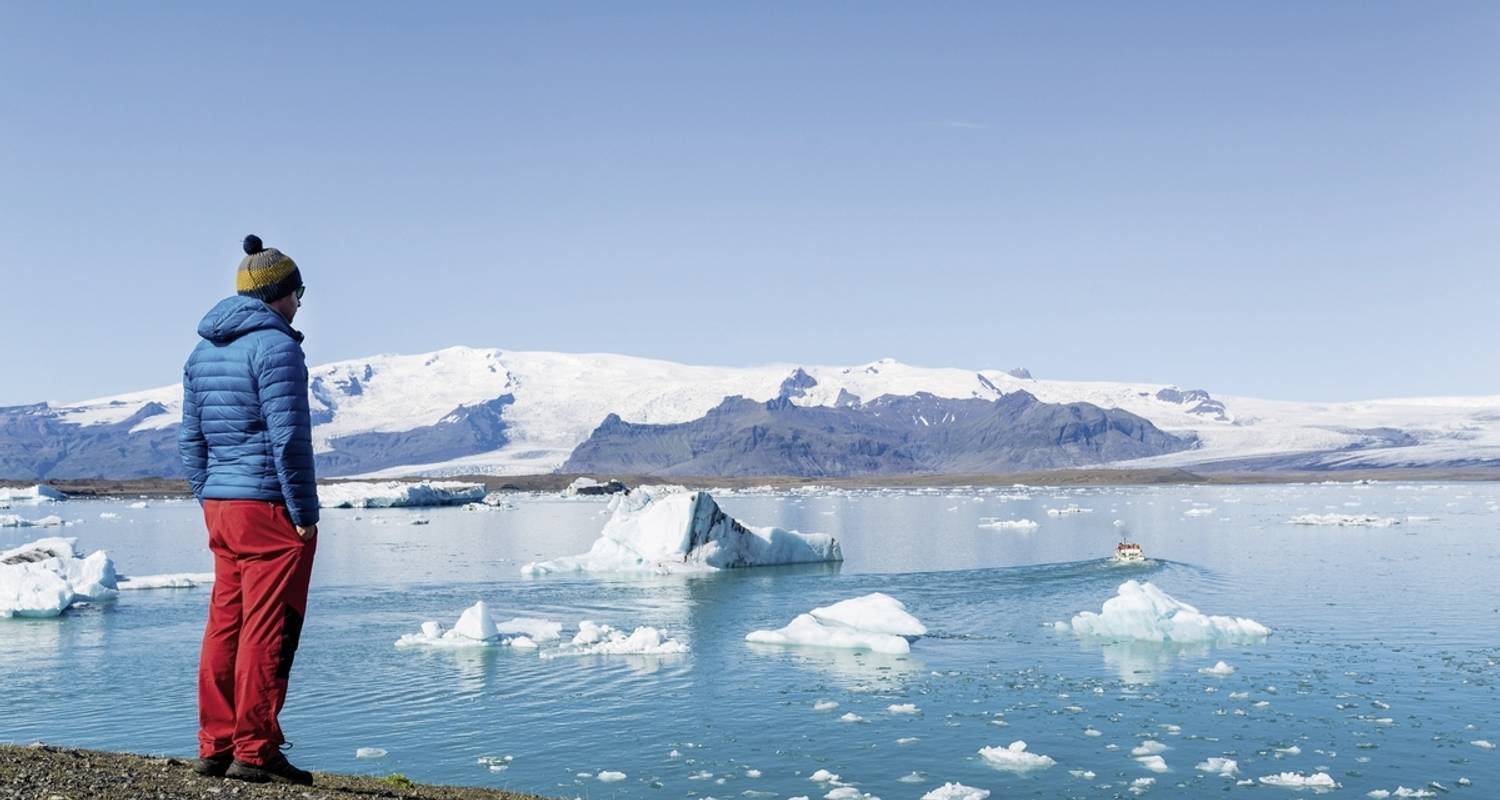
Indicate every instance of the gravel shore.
{"type": "Point", "coordinates": [44, 772]}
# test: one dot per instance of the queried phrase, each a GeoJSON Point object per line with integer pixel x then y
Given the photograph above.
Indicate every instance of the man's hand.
{"type": "Point", "coordinates": [307, 532]}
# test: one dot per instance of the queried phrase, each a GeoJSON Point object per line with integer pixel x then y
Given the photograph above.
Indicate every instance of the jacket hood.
{"type": "Point", "coordinates": [236, 316]}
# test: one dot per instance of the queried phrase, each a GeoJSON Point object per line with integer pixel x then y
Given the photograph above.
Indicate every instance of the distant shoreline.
{"type": "Point", "coordinates": [555, 482]}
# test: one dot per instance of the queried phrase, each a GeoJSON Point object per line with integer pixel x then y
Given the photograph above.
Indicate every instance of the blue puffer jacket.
{"type": "Point", "coordinates": [246, 432]}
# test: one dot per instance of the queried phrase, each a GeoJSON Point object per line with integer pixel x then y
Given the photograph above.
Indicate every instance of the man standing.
{"type": "Point", "coordinates": [246, 445]}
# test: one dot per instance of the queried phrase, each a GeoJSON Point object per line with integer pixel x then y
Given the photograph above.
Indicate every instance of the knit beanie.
{"type": "Point", "coordinates": [266, 274]}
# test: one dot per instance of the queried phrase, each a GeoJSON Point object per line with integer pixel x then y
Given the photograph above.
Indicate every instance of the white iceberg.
{"type": "Point", "coordinates": [1008, 525]}
{"type": "Point", "coordinates": [876, 622]}
{"type": "Point", "coordinates": [1015, 758]}
{"type": "Point", "coordinates": [175, 580]}
{"type": "Point", "coordinates": [39, 493]}
{"type": "Point", "coordinates": [668, 529]}
{"type": "Point", "coordinates": [17, 521]}
{"type": "Point", "coordinates": [1141, 611]}
{"type": "Point", "coordinates": [394, 494]}
{"type": "Point", "coordinates": [475, 627]}
{"type": "Point", "coordinates": [603, 640]}
{"type": "Point", "coordinates": [1216, 765]}
{"type": "Point", "coordinates": [537, 630]}
{"type": "Point", "coordinates": [1318, 782]}
{"type": "Point", "coordinates": [1220, 669]}
{"type": "Point", "coordinates": [956, 791]}
{"type": "Point", "coordinates": [45, 577]}
{"type": "Point", "coordinates": [1153, 763]}
{"type": "Point", "coordinates": [1345, 520]}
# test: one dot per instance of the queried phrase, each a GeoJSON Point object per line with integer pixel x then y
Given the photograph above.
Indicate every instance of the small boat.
{"type": "Point", "coordinates": [1129, 553]}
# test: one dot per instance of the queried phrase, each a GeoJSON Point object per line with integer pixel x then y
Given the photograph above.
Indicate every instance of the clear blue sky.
{"type": "Point", "coordinates": [1295, 200]}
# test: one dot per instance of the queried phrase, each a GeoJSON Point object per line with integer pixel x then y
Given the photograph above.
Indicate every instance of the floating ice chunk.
{"type": "Point", "coordinates": [1148, 747]}
{"type": "Point", "coordinates": [912, 777]}
{"type": "Point", "coordinates": [1220, 669]}
{"type": "Point", "coordinates": [538, 630]}
{"type": "Point", "coordinates": [523, 643]}
{"type": "Point", "coordinates": [45, 577]}
{"type": "Point", "coordinates": [475, 628]}
{"type": "Point", "coordinates": [905, 740]}
{"type": "Point", "coordinates": [1084, 774]}
{"type": "Point", "coordinates": [823, 776]}
{"type": "Point", "coordinates": [752, 773]}
{"type": "Point", "coordinates": [1153, 763]}
{"type": "Point", "coordinates": [38, 493]}
{"type": "Point", "coordinates": [609, 776]}
{"type": "Point", "coordinates": [1008, 525]}
{"type": "Point", "coordinates": [1483, 744]}
{"type": "Point", "coordinates": [1198, 512]}
{"type": "Point", "coordinates": [1318, 782]}
{"type": "Point", "coordinates": [1014, 758]}
{"type": "Point", "coordinates": [668, 529]}
{"type": "Point", "coordinates": [476, 623]}
{"type": "Point", "coordinates": [1345, 520]}
{"type": "Point", "coordinates": [1140, 785]}
{"type": "Point", "coordinates": [108, 515]}
{"type": "Point", "coordinates": [850, 716]}
{"type": "Point", "coordinates": [175, 580]}
{"type": "Point", "coordinates": [1216, 765]}
{"type": "Point", "coordinates": [394, 494]}
{"type": "Point", "coordinates": [903, 708]}
{"type": "Point", "coordinates": [603, 640]}
{"type": "Point", "coordinates": [956, 791]}
{"type": "Point", "coordinates": [843, 793]}
{"type": "Point", "coordinates": [1090, 731]}
{"type": "Point", "coordinates": [1400, 791]}
{"type": "Point", "coordinates": [370, 752]}
{"type": "Point", "coordinates": [1293, 750]}
{"type": "Point", "coordinates": [16, 521]}
{"type": "Point", "coordinates": [1141, 611]}
{"type": "Point", "coordinates": [825, 705]}
{"type": "Point", "coordinates": [1068, 510]}
{"type": "Point", "coordinates": [876, 622]}
{"type": "Point", "coordinates": [139, 504]}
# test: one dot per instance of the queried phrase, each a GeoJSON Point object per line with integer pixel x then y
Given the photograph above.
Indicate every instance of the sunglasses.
{"type": "Point", "coordinates": [298, 292]}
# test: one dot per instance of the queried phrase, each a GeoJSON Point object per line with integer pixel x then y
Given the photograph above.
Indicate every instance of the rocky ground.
{"type": "Point", "coordinates": [40, 772]}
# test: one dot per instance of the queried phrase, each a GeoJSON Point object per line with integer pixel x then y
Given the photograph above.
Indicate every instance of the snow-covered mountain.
{"type": "Point", "coordinates": [475, 410]}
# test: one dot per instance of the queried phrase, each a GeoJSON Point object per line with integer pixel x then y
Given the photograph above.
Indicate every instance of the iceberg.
{"type": "Point", "coordinates": [1015, 758]}
{"type": "Point", "coordinates": [397, 494]}
{"type": "Point", "coordinates": [475, 628]}
{"type": "Point", "coordinates": [956, 791]}
{"type": "Point", "coordinates": [1217, 765]}
{"type": "Point", "coordinates": [1141, 611]}
{"type": "Point", "coordinates": [1008, 524]}
{"type": "Point", "coordinates": [876, 622]}
{"type": "Point", "coordinates": [1220, 670]}
{"type": "Point", "coordinates": [1345, 520]}
{"type": "Point", "coordinates": [45, 577]}
{"type": "Point", "coordinates": [17, 521]}
{"type": "Point", "coordinates": [668, 529]}
{"type": "Point", "coordinates": [40, 493]}
{"type": "Point", "coordinates": [603, 640]}
{"type": "Point", "coordinates": [1318, 782]}
{"type": "Point", "coordinates": [175, 580]}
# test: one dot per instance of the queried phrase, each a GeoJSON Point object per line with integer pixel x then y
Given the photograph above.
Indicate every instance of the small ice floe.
{"type": "Point", "coordinates": [1008, 524]}
{"type": "Point", "coordinates": [876, 622]}
{"type": "Point", "coordinates": [17, 521]}
{"type": "Point", "coordinates": [1399, 791]}
{"type": "Point", "coordinates": [753, 773]}
{"type": "Point", "coordinates": [1483, 744]}
{"type": "Point", "coordinates": [956, 791]}
{"type": "Point", "coordinates": [1345, 520]}
{"type": "Point", "coordinates": [398, 494]}
{"type": "Point", "coordinates": [174, 580]}
{"type": "Point", "coordinates": [108, 515]}
{"type": "Point", "coordinates": [370, 752]}
{"type": "Point", "coordinates": [905, 740]}
{"type": "Point", "coordinates": [825, 705]}
{"type": "Point", "coordinates": [823, 776]}
{"type": "Point", "coordinates": [537, 630]}
{"type": "Point", "coordinates": [1141, 611]}
{"type": "Point", "coordinates": [1082, 774]}
{"type": "Point", "coordinates": [903, 708]}
{"type": "Point", "coordinates": [45, 577]}
{"type": "Point", "coordinates": [665, 529]}
{"type": "Point", "coordinates": [475, 628]}
{"type": "Point", "coordinates": [851, 717]}
{"type": "Point", "coordinates": [912, 777]}
{"type": "Point", "coordinates": [1153, 763]}
{"type": "Point", "coordinates": [1318, 781]}
{"type": "Point", "coordinates": [1091, 731]}
{"type": "Point", "coordinates": [1199, 512]}
{"type": "Point", "coordinates": [1068, 511]}
{"type": "Point", "coordinates": [847, 793]}
{"type": "Point", "coordinates": [609, 776]}
{"type": "Point", "coordinates": [1014, 758]}
{"type": "Point", "coordinates": [604, 640]}
{"type": "Point", "coordinates": [1148, 747]}
{"type": "Point", "coordinates": [140, 504]}
{"type": "Point", "coordinates": [1219, 670]}
{"type": "Point", "coordinates": [1217, 765]}
{"type": "Point", "coordinates": [1140, 785]}
{"type": "Point", "coordinates": [1293, 750]}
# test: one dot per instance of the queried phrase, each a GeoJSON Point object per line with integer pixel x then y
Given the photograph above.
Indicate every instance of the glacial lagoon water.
{"type": "Point", "coordinates": [1382, 669]}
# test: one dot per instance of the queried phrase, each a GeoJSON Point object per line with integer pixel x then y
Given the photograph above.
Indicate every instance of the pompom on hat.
{"type": "Point", "coordinates": [265, 273]}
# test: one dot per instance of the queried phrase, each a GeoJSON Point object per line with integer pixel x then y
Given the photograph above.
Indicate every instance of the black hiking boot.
{"type": "Point", "coordinates": [276, 770]}
{"type": "Point", "coordinates": [214, 766]}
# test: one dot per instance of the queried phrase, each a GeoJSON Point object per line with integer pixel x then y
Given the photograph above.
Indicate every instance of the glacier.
{"type": "Point", "coordinates": [670, 529]}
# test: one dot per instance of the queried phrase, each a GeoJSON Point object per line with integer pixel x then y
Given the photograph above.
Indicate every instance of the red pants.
{"type": "Point", "coordinates": [261, 571]}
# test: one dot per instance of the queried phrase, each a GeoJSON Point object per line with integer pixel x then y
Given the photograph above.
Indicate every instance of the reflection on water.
{"type": "Point", "coordinates": [1374, 681]}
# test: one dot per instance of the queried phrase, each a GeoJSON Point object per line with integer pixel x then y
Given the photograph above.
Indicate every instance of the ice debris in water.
{"type": "Point", "coordinates": [1219, 669]}
{"type": "Point", "coordinates": [669, 529]}
{"type": "Point", "coordinates": [823, 776]}
{"type": "Point", "coordinates": [1345, 520]}
{"type": "Point", "coordinates": [1014, 758]}
{"type": "Point", "coordinates": [394, 494]}
{"type": "Point", "coordinates": [1216, 765]}
{"type": "Point", "coordinates": [15, 521]}
{"type": "Point", "coordinates": [370, 752]}
{"type": "Point", "coordinates": [610, 776]}
{"type": "Point", "coordinates": [1483, 744]}
{"type": "Point", "coordinates": [825, 705]}
{"type": "Point", "coordinates": [45, 577]}
{"type": "Point", "coordinates": [37, 493]}
{"type": "Point", "coordinates": [1148, 747]}
{"type": "Point", "coordinates": [604, 640]}
{"type": "Point", "coordinates": [956, 791]}
{"type": "Point", "coordinates": [1400, 791]}
{"type": "Point", "coordinates": [1008, 525]}
{"type": "Point", "coordinates": [1140, 785]}
{"type": "Point", "coordinates": [1318, 782]}
{"type": "Point", "coordinates": [175, 580]}
{"type": "Point", "coordinates": [850, 716]}
{"type": "Point", "coordinates": [1153, 763]}
{"type": "Point", "coordinates": [1143, 612]}
{"type": "Point", "coordinates": [903, 708]}
{"type": "Point", "coordinates": [876, 622]}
